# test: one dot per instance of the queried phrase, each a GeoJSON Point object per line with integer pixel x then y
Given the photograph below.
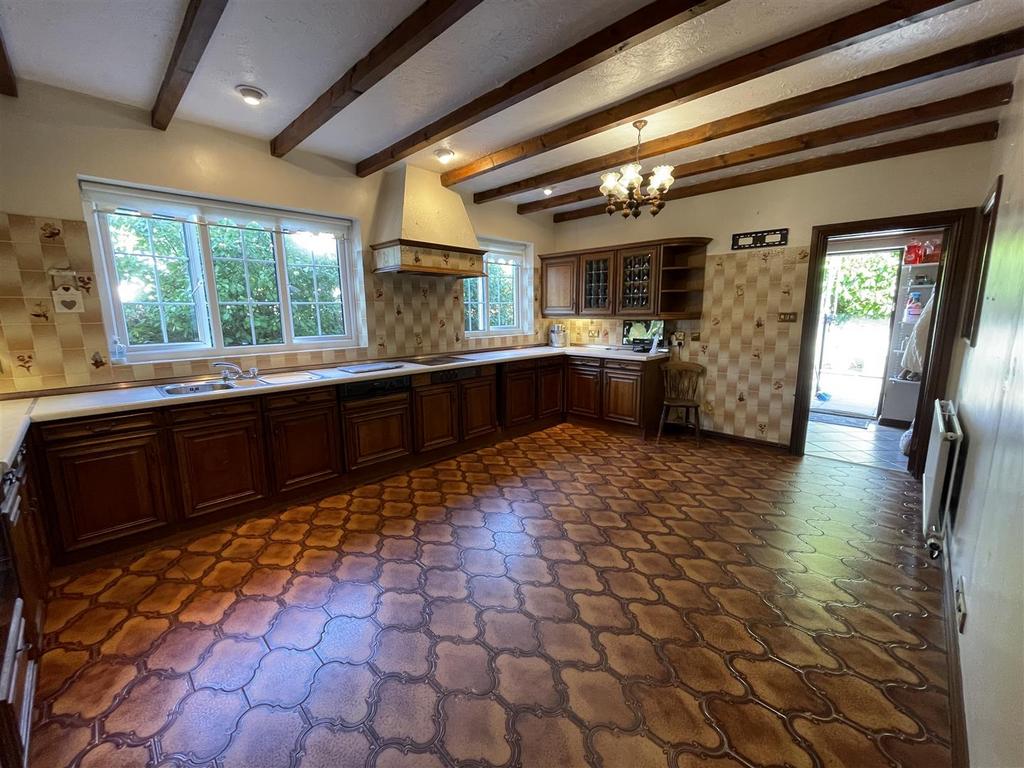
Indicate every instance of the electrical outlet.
{"type": "Point", "coordinates": [787, 317]}
{"type": "Point", "coordinates": [960, 601]}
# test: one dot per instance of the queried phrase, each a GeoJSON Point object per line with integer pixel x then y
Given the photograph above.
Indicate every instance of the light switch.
{"type": "Point", "coordinates": [787, 317]}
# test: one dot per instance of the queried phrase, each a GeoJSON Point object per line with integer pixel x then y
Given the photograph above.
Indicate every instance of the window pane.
{"type": "Point", "coordinates": [181, 324]}
{"type": "Point", "coordinates": [230, 279]}
{"type": "Point", "coordinates": [328, 284]}
{"type": "Point", "coordinates": [135, 279]}
{"type": "Point", "coordinates": [245, 271]}
{"type": "Point", "coordinates": [155, 280]}
{"type": "Point", "coordinates": [304, 320]}
{"type": "Point", "coordinates": [314, 278]}
{"type": "Point", "coordinates": [259, 245]}
{"type": "Point", "coordinates": [168, 239]}
{"type": "Point", "coordinates": [332, 322]}
{"type": "Point", "coordinates": [175, 281]}
{"type": "Point", "coordinates": [267, 321]}
{"type": "Point", "coordinates": [225, 242]}
{"type": "Point", "coordinates": [234, 322]}
{"type": "Point", "coordinates": [128, 234]}
{"type": "Point", "coordinates": [143, 322]}
{"type": "Point", "coordinates": [263, 281]}
{"type": "Point", "coordinates": [300, 284]}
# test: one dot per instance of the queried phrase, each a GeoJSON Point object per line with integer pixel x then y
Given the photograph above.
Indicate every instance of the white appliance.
{"type": "Point", "coordinates": [558, 335]}
{"type": "Point", "coordinates": [939, 474]}
{"type": "Point", "coordinates": [899, 399]}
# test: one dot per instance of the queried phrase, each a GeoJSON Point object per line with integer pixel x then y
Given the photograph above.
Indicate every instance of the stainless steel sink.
{"type": "Point", "coordinates": [195, 387]}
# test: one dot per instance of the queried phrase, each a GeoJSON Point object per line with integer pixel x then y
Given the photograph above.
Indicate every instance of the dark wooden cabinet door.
{"type": "Point", "coordinates": [220, 464]}
{"type": "Point", "coordinates": [636, 287]}
{"type": "Point", "coordinates": [305, 446]}
{"type": "Point", "coordinates": [479, 406]}
{"type": "Point", "coordinates": [435, 416]}
{"type": "Point", "coordinates": [597, 284]}
{"type": "Point", "coordinates": [559, 283]}
{"type": "Point", "coordinates": [550, 390]}
{"type": "Point", "coordinates": [376, 429]}
{"type": "Point", "coordinates": [583, 389]}
{"type": "Point", "coordinates": [520, 397]}
{"type": "Point", "coordinates": [622, 396]}
{"type": "Point", "coordinates": [106, 488]}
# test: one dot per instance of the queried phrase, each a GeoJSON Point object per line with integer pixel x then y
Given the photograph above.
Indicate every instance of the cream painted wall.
{"type": "Point", "coordinates": [933, 181]}
{"type": "Point", "coordinates": [987, 546]}
{"type": "Point", "coordinates": [48, 136]}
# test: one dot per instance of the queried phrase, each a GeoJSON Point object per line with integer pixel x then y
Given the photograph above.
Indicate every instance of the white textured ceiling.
{"type": "Point", "coordinates": [294, 49]}
{"type": "Point", "coordinates": [113, 49]}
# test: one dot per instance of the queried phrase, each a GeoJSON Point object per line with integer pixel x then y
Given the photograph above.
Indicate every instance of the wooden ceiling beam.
{"type": "Point", "coordinates": [840, 33]}
{"type": "Point", "coordinates": [197, 27]}
{"type": "Point", "coordinates": [422, 26]}
{"type": "Point", "coordinates": [955, 137]}
{"type": "Point", "coordinates": [631, 30]}
{"type": "Point", "coordinates": [8, 86]}
{"type": "Point", "coordinates": [986, 98]}
{"type": "Point", "coordinates": [955, 60]}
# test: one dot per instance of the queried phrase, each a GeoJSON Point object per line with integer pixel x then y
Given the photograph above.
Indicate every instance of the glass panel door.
{"type": "Point", "coordinates": [596, 289]}
{"type": "Point", "coordinates": [637, 278]}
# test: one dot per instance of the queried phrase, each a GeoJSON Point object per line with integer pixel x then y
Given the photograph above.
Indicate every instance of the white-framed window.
{"type": "Point", "coordinates": [184, 277]}
{"type": "Point", "coordinates": [501, 302]}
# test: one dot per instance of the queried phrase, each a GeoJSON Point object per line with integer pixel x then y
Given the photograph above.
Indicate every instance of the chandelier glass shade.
{"type": "Point", "coordinates": [624, 188]}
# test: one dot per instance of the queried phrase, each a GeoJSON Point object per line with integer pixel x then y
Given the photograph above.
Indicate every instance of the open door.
{"type": "Point", "coordinates": [957, 228]}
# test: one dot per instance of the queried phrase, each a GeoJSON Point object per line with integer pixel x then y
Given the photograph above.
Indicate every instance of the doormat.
{"type": "Point", "coordinates": [846, 421]}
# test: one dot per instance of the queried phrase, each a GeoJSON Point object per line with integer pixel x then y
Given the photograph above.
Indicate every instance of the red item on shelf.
{"type": "Point", "coordinates": [932, 252]}
{"type": "Point", "coordinates": [914, 252]}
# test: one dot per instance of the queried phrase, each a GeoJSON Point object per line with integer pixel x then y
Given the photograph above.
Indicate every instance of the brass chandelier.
{"type": "Point", "coordinates": [624, 188]}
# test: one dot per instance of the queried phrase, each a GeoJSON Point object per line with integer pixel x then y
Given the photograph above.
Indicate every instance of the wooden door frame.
{"type": "Point", "coordinates": [958, 226]}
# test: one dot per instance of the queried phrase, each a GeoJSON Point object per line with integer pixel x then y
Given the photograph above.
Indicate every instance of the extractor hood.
{"type": "Point", "coordinates": [422, 228]}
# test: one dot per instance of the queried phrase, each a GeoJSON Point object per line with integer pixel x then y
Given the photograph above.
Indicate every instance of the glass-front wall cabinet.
{"type": "Point", "coordinates": [597, 280]}
{"type": "Point", "coordinates": [637, 281]}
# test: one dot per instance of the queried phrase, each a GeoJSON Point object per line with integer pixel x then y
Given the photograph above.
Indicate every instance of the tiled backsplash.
{"type": "Point", "coordinates": [41, 349]}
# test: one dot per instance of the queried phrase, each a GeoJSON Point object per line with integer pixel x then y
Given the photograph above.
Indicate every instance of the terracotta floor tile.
{"type": "Point", "coordinates": [571, 598]}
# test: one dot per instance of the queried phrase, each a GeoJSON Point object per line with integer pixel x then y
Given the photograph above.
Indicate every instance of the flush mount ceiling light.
{"type": "Point", "coordinates": [444, 155]}
{"type": "Point", "coordinates": [624, 189]}
{"type": "Point", "coordinates": [548, 191]}
{"type": "Point", "coordinates": [250, 94]}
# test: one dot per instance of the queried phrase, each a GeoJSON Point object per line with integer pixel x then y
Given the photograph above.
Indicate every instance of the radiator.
{"type": "Point", "coordinates": [937, 490]}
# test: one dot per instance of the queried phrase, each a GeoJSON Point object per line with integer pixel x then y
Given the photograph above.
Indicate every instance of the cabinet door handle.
{"type": "Point", "coordinates": [100, 426]}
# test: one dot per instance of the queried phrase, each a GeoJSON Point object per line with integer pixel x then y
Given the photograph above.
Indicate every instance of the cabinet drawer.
{"type": "Point", "coordinates": [372, 403]}
{"type": "Point", "coordinates": [550, 362]}
{"type": "Point", "coordinates": [207, 411]}
{"type": "Point", "coordinates": [105, 425]}
{"type": "Point", "coordinates": [521, 365]}
{"type": "Point", "coordinates": [301, 399]}
{"type": "Point", "coordinates": [624, 365]}
{"type": "Point", "coordinates": [585, 362]}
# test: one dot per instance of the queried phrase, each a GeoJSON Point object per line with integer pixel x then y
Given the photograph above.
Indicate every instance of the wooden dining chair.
{"type": "Point", "coordinates": [682, 392]}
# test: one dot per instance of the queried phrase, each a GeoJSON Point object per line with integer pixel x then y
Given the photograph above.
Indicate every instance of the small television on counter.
{"type": "Point", "coordinates": [639, 334]}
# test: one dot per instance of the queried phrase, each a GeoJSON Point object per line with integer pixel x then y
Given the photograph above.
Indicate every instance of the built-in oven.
{"type": "Point", "coordinates": [17, 662]}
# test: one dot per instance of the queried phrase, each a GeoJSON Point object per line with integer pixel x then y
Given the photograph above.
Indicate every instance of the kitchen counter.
{"type": "Point", "coordinates": [17, 415]}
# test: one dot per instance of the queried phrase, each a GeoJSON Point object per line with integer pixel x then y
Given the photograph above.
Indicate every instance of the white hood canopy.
{"type": "Point", "coordinates": [422, 228]}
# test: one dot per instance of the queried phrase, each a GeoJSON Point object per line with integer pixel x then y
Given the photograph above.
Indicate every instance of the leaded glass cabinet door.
{"type": "Point", "coordinates": [597, 282]}
{"type": "Point", "coordinates": [637, 282]}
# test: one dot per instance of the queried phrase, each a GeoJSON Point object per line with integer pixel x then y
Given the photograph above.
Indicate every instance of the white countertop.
{"type": "Point", "coordinates": [17, 415]}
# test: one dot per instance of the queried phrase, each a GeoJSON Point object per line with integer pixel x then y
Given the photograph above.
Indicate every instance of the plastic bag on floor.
{"type": "Point", "coordinates": [905, 440]}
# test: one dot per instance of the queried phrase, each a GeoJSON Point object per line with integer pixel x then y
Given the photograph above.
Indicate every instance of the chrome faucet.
{"type": "Point", "coordinates": [231, 371]}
